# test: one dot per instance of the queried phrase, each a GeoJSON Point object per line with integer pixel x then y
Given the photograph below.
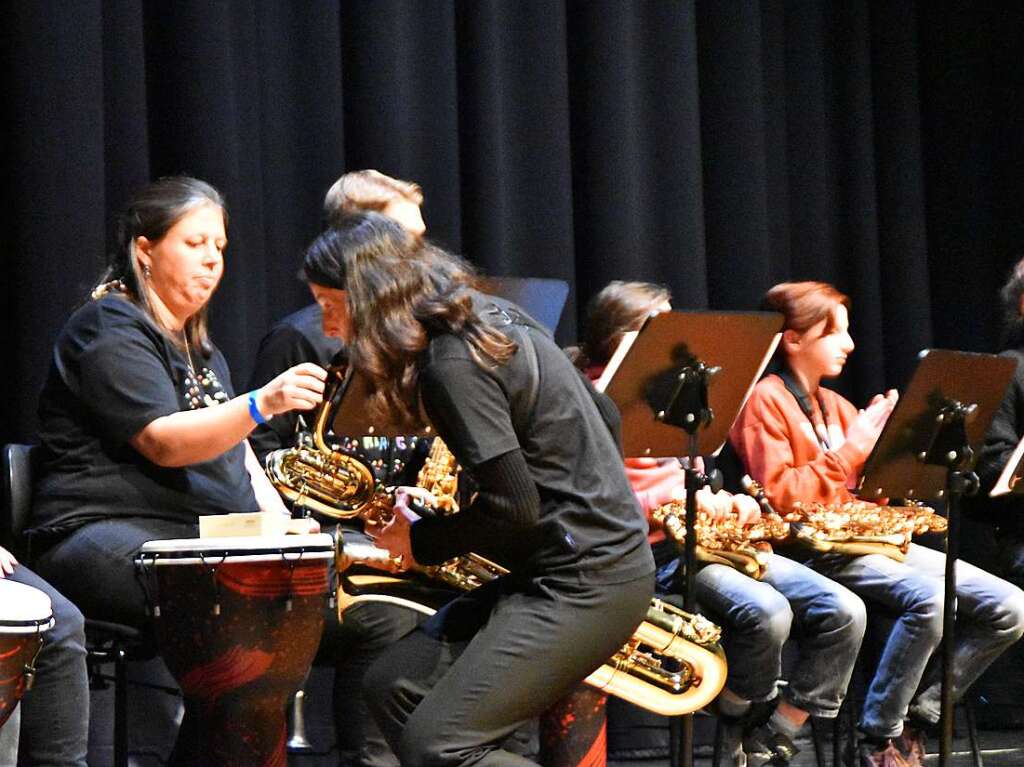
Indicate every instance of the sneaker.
{"type": "Point", "coordinates": [767, 748]}
{"type": "Point", "coordinates": [912, 745]}
{"type": "Point", "coordinates": [871, 755]}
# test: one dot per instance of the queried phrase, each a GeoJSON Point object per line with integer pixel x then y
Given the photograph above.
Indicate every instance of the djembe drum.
{"type": "Point", "coordinates": [25, 613]}
{"type": "Point", "coordinates": [238, 622]}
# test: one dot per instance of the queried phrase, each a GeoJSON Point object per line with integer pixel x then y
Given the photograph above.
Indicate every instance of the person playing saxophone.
{"type": "Point", "coordinates": [757, 615]}
{"type": "Point", "coordinates": [553, 504]}
{"type": "Point", "coordinates": [806, 444]}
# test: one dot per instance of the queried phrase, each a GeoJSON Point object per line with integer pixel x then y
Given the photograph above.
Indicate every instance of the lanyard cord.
{"type": "Point", "coordinates": [803, 399]}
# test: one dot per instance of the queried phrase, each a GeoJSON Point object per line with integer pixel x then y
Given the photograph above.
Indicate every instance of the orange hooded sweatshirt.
{"type": "Point", "coordinates": [776, 443]}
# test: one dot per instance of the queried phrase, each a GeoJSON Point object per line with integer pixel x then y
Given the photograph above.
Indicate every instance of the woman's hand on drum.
{"type": "Point", "coordinates": [298, 388]}
{"type": "Point", "coordinates": [7, 562]}
{"type": "Point", "coordinates": [396, 535]}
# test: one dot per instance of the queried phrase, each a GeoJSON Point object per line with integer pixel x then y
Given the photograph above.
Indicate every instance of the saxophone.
{"type": "Point", "coordinates": [856, 528]}
{"type": "Point", "coordinates": [672, 664]}
{"type": "Point", "coordinates": [723, 541]}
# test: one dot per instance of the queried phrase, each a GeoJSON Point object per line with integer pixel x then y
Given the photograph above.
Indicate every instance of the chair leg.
{"type": "Point", "coordinates": [716, 753]}
{"type": "Point", "coordinates": [120, 708]}
{"type": "Point", "coordinates": [851, 736]}
{"type": "Point", "coordinates": [837, 736]}
{"type": "Point", "coordinates": [675, 740]}
{"type": "Point", "coordinates": [819, 745]}
{"type": "Point", "coordinates": [972, 732]}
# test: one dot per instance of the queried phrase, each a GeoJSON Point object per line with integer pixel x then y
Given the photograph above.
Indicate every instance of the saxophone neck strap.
{"type": "Point", "coordinates": [803, 399]}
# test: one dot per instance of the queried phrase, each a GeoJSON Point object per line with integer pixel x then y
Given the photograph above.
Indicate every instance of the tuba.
{"type": "Point", "coordinates": [673, 664]}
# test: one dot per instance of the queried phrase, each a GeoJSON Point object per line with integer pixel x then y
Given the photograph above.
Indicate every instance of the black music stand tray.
{"type": "Point", "coordinates": [927, 450]}
{"type": "Point", "coordinates": [660, 379]}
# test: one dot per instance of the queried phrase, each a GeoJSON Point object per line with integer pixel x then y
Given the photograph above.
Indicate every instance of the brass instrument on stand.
{"type": "Point", "coordinates": [673, 664]}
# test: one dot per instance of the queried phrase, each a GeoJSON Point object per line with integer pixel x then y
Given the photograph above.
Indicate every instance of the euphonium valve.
{"type": "Point", "coordinates": [313, 475]}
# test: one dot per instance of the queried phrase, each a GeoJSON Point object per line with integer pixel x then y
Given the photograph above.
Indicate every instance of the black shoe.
{"type": "Point", "coordinates": [767, 748]}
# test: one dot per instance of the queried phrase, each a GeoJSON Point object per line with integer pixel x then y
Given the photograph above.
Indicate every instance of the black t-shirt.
{"type": "Point", "coordinates": [113, 372]}
{"type": "Point", "coordinates": [297, 338]}
{"type": "Point", "coordinates": [539, 403]}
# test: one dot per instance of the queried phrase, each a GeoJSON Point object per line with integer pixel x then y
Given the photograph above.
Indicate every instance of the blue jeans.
{"type": "Point", "coordinates": [990, 617]}
{"type": "Point", "coordinates": [758, 617]}
{"type": "Point", "coordinates": [55, 712]}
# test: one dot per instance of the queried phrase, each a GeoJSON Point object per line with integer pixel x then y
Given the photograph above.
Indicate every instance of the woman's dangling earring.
{"type": "Point", "coordinates": [146, 271]}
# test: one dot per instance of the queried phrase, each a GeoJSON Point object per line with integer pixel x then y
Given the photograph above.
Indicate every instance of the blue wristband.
{"type": "Point", "coordinates": [254, 411]}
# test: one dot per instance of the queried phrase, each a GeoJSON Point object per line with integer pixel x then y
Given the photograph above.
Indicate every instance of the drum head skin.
{"type": "Point", "coordinates": [263, 548]}
{"type": "Point", "coordinates": [23, 609]}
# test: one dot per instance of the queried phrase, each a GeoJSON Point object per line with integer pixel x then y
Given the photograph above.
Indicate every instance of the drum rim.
{"type": "Point", "coordinates": [26, 609]}
{"type": "Point", "coordinates": [248, 544]}
{"type": "Point", "coordinates": [233, 557]}
{"type": "Point", "coordinates": [27, 625]}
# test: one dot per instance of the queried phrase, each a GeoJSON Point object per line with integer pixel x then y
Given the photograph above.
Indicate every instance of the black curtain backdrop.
{"type": "Point", "coordinates": [718, 147]}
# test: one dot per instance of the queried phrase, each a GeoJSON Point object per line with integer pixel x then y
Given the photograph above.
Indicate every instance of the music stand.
{"type": "Point", "coordinates": [927, 450]}
{"type": "Point", "coordinates": [1009, 481]}
{"type": "Point", "coordinates": [660, 378]}
{"type": "Point", "coordinates": [542, 299]}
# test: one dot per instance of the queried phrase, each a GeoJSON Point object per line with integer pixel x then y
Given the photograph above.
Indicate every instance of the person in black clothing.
{"type": "Point", "coordinates": [368, 627]}
{"type": "Point", "coordinates": [553, 503]}
{"type": "Point", "coordinates": [1006, 513]}
{"type": "Point", "coordinates": [300, 337]}
{"type": "Point", "coordinates": [140, 428]}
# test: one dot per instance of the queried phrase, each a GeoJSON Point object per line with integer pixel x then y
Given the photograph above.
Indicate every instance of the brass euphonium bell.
{"type": "Point", "coordinates": [314, 476]}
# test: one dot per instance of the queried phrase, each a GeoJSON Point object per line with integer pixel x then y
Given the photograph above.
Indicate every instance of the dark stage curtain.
{"type": "Point", "coordinates": [717, 147]}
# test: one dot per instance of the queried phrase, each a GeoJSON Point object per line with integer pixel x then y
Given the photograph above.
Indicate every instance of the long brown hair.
{"type": "Point", "coordinates": [401, 292]}
{"type": "Point", "coordinates": [151, 213]}
{"type": "Point", "coordinates": [619, 308]}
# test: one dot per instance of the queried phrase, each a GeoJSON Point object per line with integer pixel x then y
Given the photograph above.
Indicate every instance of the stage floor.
{"type": "Point", "coordinates": [999, 749]}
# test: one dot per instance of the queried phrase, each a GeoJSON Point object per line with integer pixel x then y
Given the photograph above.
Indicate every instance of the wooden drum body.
{"type": "Point", "coordinates": [25, 613]}
{"type": "Point", "coordinates": [238, 622]}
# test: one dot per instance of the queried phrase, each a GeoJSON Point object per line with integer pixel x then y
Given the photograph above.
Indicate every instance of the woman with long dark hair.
{"type": "Point", "coordinates": [141, 430]}
{"type": "Point", "coordinates": [553, 503]}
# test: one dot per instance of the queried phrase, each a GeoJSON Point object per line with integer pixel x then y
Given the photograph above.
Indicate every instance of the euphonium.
{"type": "Point", "coordinates": [312, 475]}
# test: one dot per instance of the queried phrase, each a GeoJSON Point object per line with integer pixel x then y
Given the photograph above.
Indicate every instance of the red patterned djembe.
{"type": "Point", "coordinates": [238, 622]}
{"type": "Point", "coordinates": [25, 613]}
